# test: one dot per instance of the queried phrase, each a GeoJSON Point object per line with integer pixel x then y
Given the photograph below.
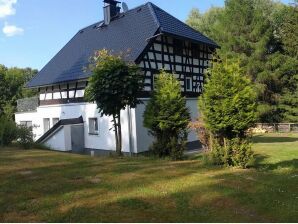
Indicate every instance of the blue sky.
{"type": "Point", "coordinates": [33, 31]}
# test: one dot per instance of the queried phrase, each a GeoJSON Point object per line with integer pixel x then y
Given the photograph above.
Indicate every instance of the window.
{"type": "Point", "coordinates": [27, 124]}
{"type": "Point", "coordinates": [49, 96]}
{"type": "Point", "coordinates": [188, 84]}
{"type": "Point", "coordinates": [93, 126]}
{"type": "Point", "coordinates": [56, 95]}
{"type": "Point", "coordinates": [64, 95]}
{"type": "Point", "coordinates": [55, 120]}
{"type": "Point", "coordinates": [46, 124]}
{"type": "Point", "coordinates": [42, 96]}
{"type": "Point", "coordinates": [71, 94]}
{"type": "Point", "coordinates": [80, 93]}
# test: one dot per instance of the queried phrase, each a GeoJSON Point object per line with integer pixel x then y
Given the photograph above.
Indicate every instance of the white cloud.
{"type": "Point", "coordinates": [7, 8]}
{"type": "Point", "coordinates": [10, 30]}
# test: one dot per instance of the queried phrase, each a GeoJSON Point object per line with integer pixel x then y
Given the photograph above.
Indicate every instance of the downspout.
{"type": "Point", "coordinates": [131, 146]}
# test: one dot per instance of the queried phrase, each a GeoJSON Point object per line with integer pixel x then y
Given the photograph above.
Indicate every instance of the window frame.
{"type": "Point", "coordinates": [96, 126]}
{"type": "Point", "coordinates": [190, 89]}
{"type": "Point", "coordinates": [49, 124]}
{"type": "Point", "coordinates": [55, 118]}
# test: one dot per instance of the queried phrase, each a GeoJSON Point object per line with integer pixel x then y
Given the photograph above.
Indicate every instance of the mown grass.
{"type": "Point", "coordinates": [45, 186]}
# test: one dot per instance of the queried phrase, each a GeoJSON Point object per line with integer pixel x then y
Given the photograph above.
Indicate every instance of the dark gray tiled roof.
{"type": "Point", "coordinates": [130, 31]}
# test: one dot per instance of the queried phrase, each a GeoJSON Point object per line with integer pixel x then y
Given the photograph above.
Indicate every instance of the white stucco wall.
{"type": "Point", "coordinates": [139, 140]}
{"type": "Point", "coordinates": [57, 141]}
{"type": "Point", "coordinates": [104, 141]}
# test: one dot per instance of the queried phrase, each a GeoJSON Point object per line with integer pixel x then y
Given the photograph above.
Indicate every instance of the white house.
{"type": "Point", "coordinates": [156, 40]}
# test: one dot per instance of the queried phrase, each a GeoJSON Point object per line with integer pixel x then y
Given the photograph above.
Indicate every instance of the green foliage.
{"type": "Point", "coordinates": [167, 117]}
{"type": "Point", "coordinates": [289, 103]}
{"type": "Point", "coordinates": [25, 136]}
{"type": "Point", "coordinates": [237, 152]}
{"type": "Point", "coordinates": [262, 36]}
{"type": "Point", "coordinates": [114, 85]}
{"type": "Point", "coordinates": [228, 104]}
{"type": "Point", "coordinates": [228, 108]}
{"type": "Point", "coordinates": [8, 131]}
{"type": "Point", "coordinates": [287, 28]}
{"type": "Point", "coordinates": [12, 83]}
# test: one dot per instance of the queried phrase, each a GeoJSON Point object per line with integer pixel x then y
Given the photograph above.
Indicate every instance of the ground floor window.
{"type": "Point", "coordinates": [55, 121]}
{"type": "Point", "coordinates": [93, 126]}
{"type": "Point", "coordinates": [46, 124]}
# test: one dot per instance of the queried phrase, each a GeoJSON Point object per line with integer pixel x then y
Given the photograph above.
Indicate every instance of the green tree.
{"type": "Point", "coordinates": [3, 90]}
{"type": "Point", "coordinates": [167, 117]}
{"type": "Point", "coordinates": [257, 33]}
{"type": "Point", "coordinates": [228, 109]}
{"type": "Point", "coordinates": [228, 104]}
{"type": "Point", "coordinates": [12, 88]}
{"type": "Point", "coordinates": [207, 23]}
{"type": "Point", "coordinates": [289, 103]}
{"type": "Point", "coordinates": [114, 85]}
{"type": "Point", "coordinates": [287, 30]}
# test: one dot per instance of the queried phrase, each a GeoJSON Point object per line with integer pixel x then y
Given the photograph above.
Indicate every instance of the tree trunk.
{"type": "Point", "coordinates": [211, 142]}
{"type": "Point", "coordinates": [119, 148]}
{"type": "Point", "coordinates": [119, 135]}
{"type": "Point", "coordinates": [225, 143]}
{"type": "Point", "coordinates": [116, 132]}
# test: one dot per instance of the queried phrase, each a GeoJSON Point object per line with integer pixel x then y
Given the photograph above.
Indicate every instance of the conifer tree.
{"type": "Point", "coordinates": [228, 109]}
{"type": "Point", "coordinates": [167, 117]}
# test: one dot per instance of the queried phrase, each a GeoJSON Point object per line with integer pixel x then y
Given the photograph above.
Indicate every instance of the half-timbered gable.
{"type": "Point", "coordinates": [71, 92]}
{"type": "Point", "coordinates": [187, 60]}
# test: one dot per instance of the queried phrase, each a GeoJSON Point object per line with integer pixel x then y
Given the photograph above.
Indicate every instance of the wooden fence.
{"type": "Point", "coordinates": [278, 127]}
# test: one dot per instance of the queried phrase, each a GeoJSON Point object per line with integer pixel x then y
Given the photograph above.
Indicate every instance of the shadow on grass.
{"type": "Point", "coordinates": [144, 190]}
{"type": "Point", "coordinates": [236, 196]}
{"type": "Point", "coordinates": [260, 164]}
{"type": "Point", "coordinates": [273, 139]}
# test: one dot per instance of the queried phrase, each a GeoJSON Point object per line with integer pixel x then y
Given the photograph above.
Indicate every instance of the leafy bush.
{"type": "Point", "coordinates": [236, 152]}
{"type": "Point", "coordinates": [242, 154]}
{"type": "Point", "coordinates": [25, 136]}
{"type": "Point", "coordinates": [217, 154]}
{"type": "Point", "coordinates": [167, 118]}
{"type": "Point", "coordinates": [8, 131]}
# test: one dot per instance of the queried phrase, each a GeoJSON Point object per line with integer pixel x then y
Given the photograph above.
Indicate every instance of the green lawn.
{"type": "Point", "coordinates": [44, 186]}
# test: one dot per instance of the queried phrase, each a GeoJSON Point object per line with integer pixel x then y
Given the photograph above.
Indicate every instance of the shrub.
{"type": "Point", "coordinates": [236, 152]}
{"type": "Point", "coordinates": [242, 154]}
{"type": "Point", "coordinates": [25, 136]}
{"type": "Point", "coordinates": [8, 131]}
{"type": "Point", "coordinates": [167, 118]}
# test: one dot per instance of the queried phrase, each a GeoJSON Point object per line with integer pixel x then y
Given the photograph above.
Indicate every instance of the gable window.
{"type": "Point", "coordinates": [56, 95]}
{"type": "Point", "coordinates": [93, 126]}
{"type": "Point", "coordinates": [188, 84]}
{"type": "Point", "coordinates": [46, 124]}
{"type": "Point", "coordinates": [55, 121]}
